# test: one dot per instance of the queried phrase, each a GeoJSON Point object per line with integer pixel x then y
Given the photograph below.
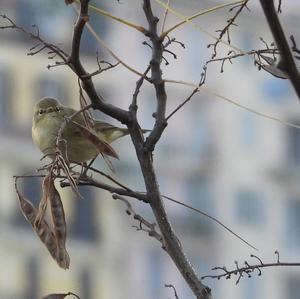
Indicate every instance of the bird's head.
{"type": "Point", "coordinates": [44, 107]}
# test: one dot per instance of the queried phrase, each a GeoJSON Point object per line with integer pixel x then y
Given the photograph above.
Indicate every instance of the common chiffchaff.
{"type": "Point", "coordinates": [48, 117]}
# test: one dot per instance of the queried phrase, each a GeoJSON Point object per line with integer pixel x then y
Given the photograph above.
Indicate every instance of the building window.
{"type": "Point", "coordinates": [39, 13]}
{"type": "Point", "coordinates": [276, 90]}
{"type": "Point", "coordinates": [89, 43]}
{"type": "Point", "coordinates": [246, 41]}
{"type": "Point", "coordinates": [249, 207]}
{"type": "Point", "coordinates": [85, 284]}
{"type": "Point", "coordinates": [32, 278]}
{"type": "Point", "coordinates": [200, 141]}
{"type": "Point", "coordinates": [155, 274]}
{"type": "Point", "coordinates": [293, 223]}
{"type": "Point", "coordinates": [250, 287]}
{"type": "Point", "coordinates": [247, 130]}
{"type": "Point", "coordinates": [198, 195]}
{"type": "Point", "coordinates": [293, 288]}
{"type": "Point", "coordinates": [84, 225]}
{"type": "Point", "coordinates": [5, 97]}
{"type": "Point", "coordinates": [51, 87]}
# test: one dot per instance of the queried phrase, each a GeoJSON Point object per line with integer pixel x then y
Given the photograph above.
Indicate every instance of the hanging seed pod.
{"type": "Point", "coordinates": [59, 224]}
{"type": "Point", "coordinates": [64, 165]}
{"type": "Point", "coordinates": [69, 2]}
{"type": "Point", "coordinates": [99, 143]}
{"type": "Point", "coordinates": [62, 258]}
{"type": "Point", "coordinates": [44, 201]}
{"type": "Point", "coordinates": [44, 231]}
{"type": "Point", "coordinates": [60, 296]}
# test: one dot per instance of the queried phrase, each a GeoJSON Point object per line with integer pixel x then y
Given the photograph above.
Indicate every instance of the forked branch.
{"type": "Point", "coordinates": [286, 58]}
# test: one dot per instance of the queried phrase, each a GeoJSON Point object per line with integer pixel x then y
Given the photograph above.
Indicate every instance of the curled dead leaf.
{"type": "Point", "coordinates": [69, 2]}
{"type": "Point", "coordinates": [44, 231]}
{"type": "Point", "coordinates": [44, 201]}
{"type": "Point", "coordinates": [63, 258]}
{"type": "Point", "coordinates": [60, 296]}
{"type": "Point", "coordinates": [102, 146]}
{"type": "Point", "coordinates": [59, 224]}
{"type": "Point", "coordinates": [53, 240]}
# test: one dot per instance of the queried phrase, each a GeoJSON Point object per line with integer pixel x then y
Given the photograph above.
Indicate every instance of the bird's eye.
{"type": "Point", "coordinates": [57, 109]}
{"type": "Point", "coordinates": [41, 111]}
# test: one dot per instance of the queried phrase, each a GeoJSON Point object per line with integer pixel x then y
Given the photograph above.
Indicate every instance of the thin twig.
{"type": "Point", "coordinates": [190, 18]}
{"type": "Point", "coordinates": [248, 269]}
{"type": "Point", "coordinates": [210, 92]}
{"type": "Point", "coordinates": [175, 292]}
{"type": "Point", "coordinates": [121, 191]}
{"type": "Point", "coordinates": [123, 21]}
{"type": "Point", "coordinates": [144, 225]}
{"type": "Point", "coordinates": [137, 89]}
{"type": "Point", "coordinates": [165, 16]}
{"type": "Point", "coordinates": [230, 23]}
{"type": "Point", "coordinates": [156, 78]}
{"type": "Point", "coordinates": [210, 217]}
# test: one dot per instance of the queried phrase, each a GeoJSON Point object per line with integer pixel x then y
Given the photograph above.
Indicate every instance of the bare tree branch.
{"type": "Point", "coordinates": [156, 78]}
{"type": "Point", "coordinates": [144, 225]}
{"type": "Point", "coordinates": [248, 269]}
{"type": "Point", "coordinates": [86, 181]}
{"type": "Point", "coordinates": [286, 58]}
{"type": "Point", "coordinates": [230, 22]}
{"type": "Point", "coordinates": [144, 154]}
{"type": "Point", "coordinates": [87, 83]}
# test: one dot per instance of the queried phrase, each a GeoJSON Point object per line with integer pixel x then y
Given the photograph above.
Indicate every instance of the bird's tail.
{"type": "Point", "coordinates": [112, 133]}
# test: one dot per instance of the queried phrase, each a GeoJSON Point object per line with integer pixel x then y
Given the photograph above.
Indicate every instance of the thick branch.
{"type": "Point", "coordinates": [287, 61]}
{"type": "Point", "coordinates": [156, 78]}
{"type": "Point", "coordinates": [87, 83]}
{"type": "Point", "coordinates": [107, 187]}
{"type": "Point", "coordinates": [144, 154]}
{"type": "Point", "coordinates": [172, 244]}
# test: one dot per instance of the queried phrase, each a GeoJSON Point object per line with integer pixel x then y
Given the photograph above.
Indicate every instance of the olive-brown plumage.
{"type": "Point", "coordinates": [48, 117]}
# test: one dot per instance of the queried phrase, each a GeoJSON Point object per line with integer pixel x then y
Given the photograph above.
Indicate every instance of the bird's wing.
{"type": "Point", "coordinates": [109, 131]}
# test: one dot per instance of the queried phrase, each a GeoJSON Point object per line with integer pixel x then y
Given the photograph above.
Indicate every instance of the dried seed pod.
{"type": "Point", "coordinates": [44, 201]}
{"type": "Point", "coordinates": [99, 143]}
{"type": "Point", "coordinates": [60, 296]}
{"type": "Point", "coordinates": [63, 258]}
{"type": "Point", "coordinates": [59, 224]}
{"type": "Point", "coordinates": [69, 2]}
{"type": "Point", "coordinates": [65, 166]}
{"type": "Point", "coordinates": [44, 231]}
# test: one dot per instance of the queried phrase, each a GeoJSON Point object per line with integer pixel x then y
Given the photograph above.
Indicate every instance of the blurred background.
{"type": "Point", "coordinates": [232, 164]}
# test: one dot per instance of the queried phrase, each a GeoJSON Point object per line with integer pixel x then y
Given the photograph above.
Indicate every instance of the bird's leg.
{"type": "Point", "coordinates": [86, 167]}
{"type": "Point", "coordinates": [51, 166]}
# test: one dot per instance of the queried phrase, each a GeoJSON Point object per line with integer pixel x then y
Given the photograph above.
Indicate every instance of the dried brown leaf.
{"type": "Point", "coordinates": [63, 258]}
{"type": "Point", "coordinates": [102, 146]}
{"type": "Point", "coordinates": [108, 163]}
{"type": "Point", "coordinates": [44, 231]}
{"type": "Point", "coordinates": [62, 163]}
{"type": "Point", "coordinates": [69, 2]}
{"type": "Point", "coordinates": [44, 201]}
{"type": "Point", "coordinates": [60, 296]}
{"type": "Point", "coordinates": [59, 224]}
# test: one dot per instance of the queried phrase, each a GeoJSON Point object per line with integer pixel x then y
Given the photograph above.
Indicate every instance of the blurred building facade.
{"type": "Point", "coordinates": [226, 161]}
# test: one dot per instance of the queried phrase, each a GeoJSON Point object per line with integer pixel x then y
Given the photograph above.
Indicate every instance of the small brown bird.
{"type": "Point", "coordinates": [48, 117]}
